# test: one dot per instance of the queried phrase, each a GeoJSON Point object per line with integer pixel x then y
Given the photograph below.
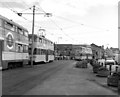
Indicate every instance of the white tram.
{"type": "Point", "coordinates": [43, 49]}
{"type": "Point", "coordinates": [82, 53]}
{"type": "Point", "coordinates": [13, 44]}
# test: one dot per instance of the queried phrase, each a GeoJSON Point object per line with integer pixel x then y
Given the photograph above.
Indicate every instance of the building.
{"type": "Point", "coordinates": [111, 52]}
{"type": "Point", "coordinates": [73, 51]}
{"type": "Point", "coordinates": [115, 50]}
{"type": "Point", "coordinates": [98, 51]}
{"type": "Point", "coordinates": [63, 50]}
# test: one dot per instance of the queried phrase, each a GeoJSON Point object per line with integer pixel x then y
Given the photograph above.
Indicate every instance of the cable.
{"type": "Point", "coordinates": [39, 26]}
{"type": "Point", "coordinates": [72, 21]}
{"type": "Point", "coordinates": [25, 3]}
{"type": "Point", "coordinates": [41, 9]}
{"type": "Point", "coordinates": [61, 29]}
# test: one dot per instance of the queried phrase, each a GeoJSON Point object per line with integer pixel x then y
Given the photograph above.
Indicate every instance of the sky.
{"type": "Point", "coordinates": [72, 21]}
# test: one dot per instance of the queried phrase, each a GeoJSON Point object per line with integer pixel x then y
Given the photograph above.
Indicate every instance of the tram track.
{"type": "Point", "coordinates": [32, 80]}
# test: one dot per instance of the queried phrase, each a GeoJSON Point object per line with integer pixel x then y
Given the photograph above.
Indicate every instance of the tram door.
{"type": "Point", "coordinates": [0, 53]}
{"type": "Point", "coordinates": [46, 55]}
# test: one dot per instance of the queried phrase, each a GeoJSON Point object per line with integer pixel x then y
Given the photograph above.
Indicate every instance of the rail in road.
{"type": "Point", "coordinates": [18, 81]}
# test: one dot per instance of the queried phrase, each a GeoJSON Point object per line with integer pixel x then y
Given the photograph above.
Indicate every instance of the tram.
{"type": "Point", "coordinates": [14, 44]}
{"type": "Point", "coordinates": [82, 53]}
{"type": "Point", "coordinates": [43, 49]}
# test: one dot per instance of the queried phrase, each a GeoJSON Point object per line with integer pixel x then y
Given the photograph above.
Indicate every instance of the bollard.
{"type": "Point", "coordinates": [110, 68]}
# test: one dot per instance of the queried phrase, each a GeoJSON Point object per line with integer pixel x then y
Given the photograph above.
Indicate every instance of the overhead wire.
{"type": "Point", "coordinates": [80, 23]}
{"type": "Point", "coordinates": [61, 29]}
{"type": "Point", "coordinates": [13, 10]}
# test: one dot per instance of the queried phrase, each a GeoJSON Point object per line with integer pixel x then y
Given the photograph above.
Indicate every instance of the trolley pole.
{"type": "Point", "coordinates": [32, 48]}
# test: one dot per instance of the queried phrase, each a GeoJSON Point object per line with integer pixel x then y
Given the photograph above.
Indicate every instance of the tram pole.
{"type": "Point", "coordinates": [32, 48]}
{"type": "Point", "coordinates": [32, 45]}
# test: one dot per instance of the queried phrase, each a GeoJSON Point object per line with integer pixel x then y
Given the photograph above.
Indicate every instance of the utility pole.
{"type": "Point", "coordinates": [32, 48]}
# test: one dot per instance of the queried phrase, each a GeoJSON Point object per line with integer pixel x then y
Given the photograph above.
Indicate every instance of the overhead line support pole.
{"type": "Point", "coordinates": [32, 49]}
{"type": "Point", "coordinates": [32, 45]}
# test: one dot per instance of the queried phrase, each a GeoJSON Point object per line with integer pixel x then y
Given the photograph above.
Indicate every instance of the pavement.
{"type": "Point", "coordinates": [101, 81]}
{"type": "Point", "coordinates": [73, 81]}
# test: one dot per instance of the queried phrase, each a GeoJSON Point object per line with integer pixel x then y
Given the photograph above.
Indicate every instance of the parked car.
{"type": "Point", "coordinates": [112, 80]}
{"type": "Point", "coordinates": [101, 62]}
{"type": "Point", "coordinates": [110, 64]}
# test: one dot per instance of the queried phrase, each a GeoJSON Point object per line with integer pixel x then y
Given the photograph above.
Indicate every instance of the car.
{"type": "Point", "coordinates": [111, 65]}
{"type": "Point", "coordinates": [112, 80]}
{"type": "Point", "coordinates": [101, 62]}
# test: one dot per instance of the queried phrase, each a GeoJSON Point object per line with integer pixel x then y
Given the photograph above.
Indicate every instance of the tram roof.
{"type": "Point", "coordinates": [11, 21]}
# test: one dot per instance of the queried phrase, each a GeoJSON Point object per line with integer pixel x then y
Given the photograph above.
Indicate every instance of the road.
{"type": "Point", "coordinates": [56, 78]}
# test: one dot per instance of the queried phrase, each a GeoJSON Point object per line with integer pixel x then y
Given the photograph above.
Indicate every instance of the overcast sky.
{"type": "Point", "coordinates": [72, 21]}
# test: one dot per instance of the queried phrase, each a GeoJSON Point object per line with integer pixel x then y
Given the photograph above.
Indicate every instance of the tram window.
{"type": "Point", "coordinates": [29, 50]}
{"type": "Point", "coordinates": [20, 31]}
{"type": "Point", "coordinates": [0, 22]}
{"type": "Point", "coordinates": [40, 52]}
{"type": "Point", "coordinates": [25, 48]}
{"type": "Point", "coordinates": [43, 51]}
{"type": "Point", "coordinates": [9, 26]}
{"type": "Point", "coordinates": [26, 33]}
{"type": "Point", "coordinates": [45, 41]}
{"type": "Point", "coordinates": [35, 51]}
{"type": "Point", "coordinates": [16, 47]}
{"type": "Point", "coordinates": [30, 40]}
{"type": "Point", "coordinates": [35, 39]}
{"type": "Point", "coordinates": [40, 40]}
{"type": "Point", "coordinates": [20, 48]}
